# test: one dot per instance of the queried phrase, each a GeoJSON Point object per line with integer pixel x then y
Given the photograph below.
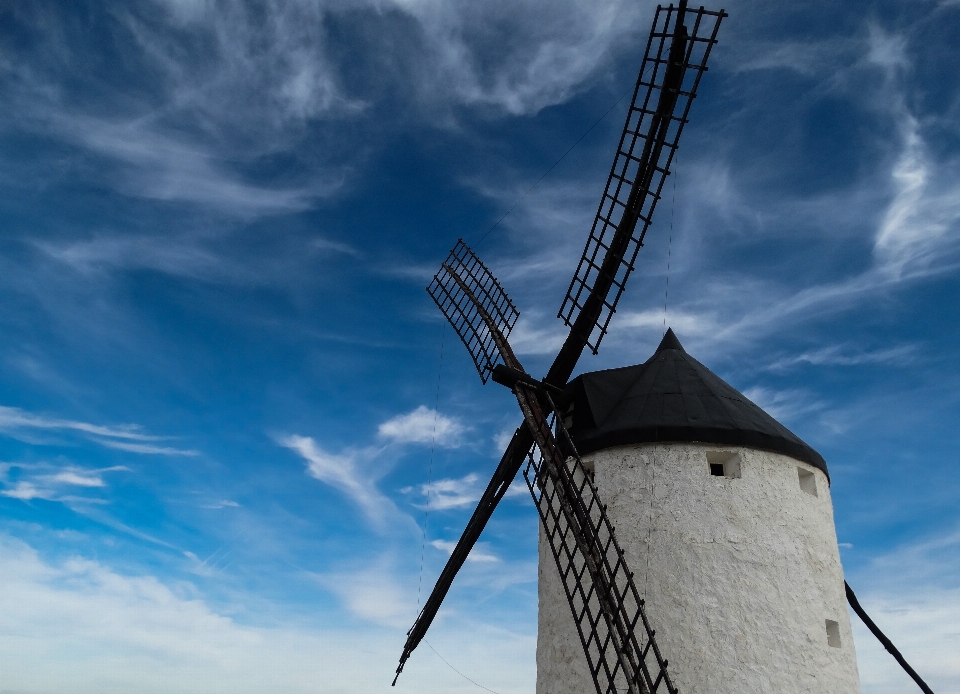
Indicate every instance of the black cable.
{"type": "Point", "coordinates": [887, 643]}
{"type": "Point", "coordinates": [433, 442]}
{"type": "Point", "coordinates": [673, 207]}
{"type": "Point", "coordinates": [552, 167]}
{"type": "Point", "coordinates": [455, 669]}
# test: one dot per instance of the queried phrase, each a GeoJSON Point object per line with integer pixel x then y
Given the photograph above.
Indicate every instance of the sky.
{"type": "Point", "coordinates": [237, 440]}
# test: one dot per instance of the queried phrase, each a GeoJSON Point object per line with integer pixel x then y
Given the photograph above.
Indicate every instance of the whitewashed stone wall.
{"type": "Point", "coordinates": [740, 574]}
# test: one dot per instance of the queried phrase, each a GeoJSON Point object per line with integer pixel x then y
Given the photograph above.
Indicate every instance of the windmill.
{"type": "Point", "coordinates": [739, 548]}
{"type": "Point", "coordinates": [615, 633]}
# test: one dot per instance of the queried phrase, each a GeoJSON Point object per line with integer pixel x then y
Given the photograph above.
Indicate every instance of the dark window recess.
{"type": "Point", "coordinates": [724, 463]}
{"type": "Point", "coordinates": [808, 482]}
{"type": "Point", "coordinates": [833, 633]}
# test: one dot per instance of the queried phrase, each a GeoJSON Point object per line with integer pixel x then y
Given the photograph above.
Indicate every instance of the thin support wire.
{"type": "Point", "coordinates": [433, 440]}
{"type": "Point", "coordinates": [457, 671]}
{"type": "Point", "coordinates": [553, 166]}
{"type": "Point", "coordinates": [653, 487]}
{"type": "Point", "coordinates": [673, 207]}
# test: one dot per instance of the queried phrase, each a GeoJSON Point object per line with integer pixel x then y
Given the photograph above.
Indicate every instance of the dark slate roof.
{"type": "Point", "coordinates": [673, 397]}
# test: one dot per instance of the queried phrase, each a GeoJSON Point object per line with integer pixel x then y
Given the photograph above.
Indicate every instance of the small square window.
{"type": "Point", "coordinates": [724, 463]}
{"type": "Point", "coordinates": [833, 634]}
{"type": "Point", "coordinates": [808, 482]}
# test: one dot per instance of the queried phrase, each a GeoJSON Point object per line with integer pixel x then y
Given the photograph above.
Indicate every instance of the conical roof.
{"type": "Point", "coordinates": [673, 398]}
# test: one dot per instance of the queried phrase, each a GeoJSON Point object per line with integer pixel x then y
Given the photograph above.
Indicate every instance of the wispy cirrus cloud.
{"type": "Point", "coordinates": [654, 320]}
{"type": "Point", "coordinates": [445, 494]}
{"type": "Point", "coordinates": [225, 503]}
{"type": "Point", "coordinates": [450, 493]}
{"type": "Point", "coordinates": [14, 417]}
{"type": "Point", "coordinates": [355, 471]}
{"type": "Point", "coordinates": [168, 166]}
{"type": "Point", "coordinates": [53, 483]}
{"type": "Point", "coordinates": [903, 212]}
{"type": "Point", "coordinates": [193, 256]}
{"type": "Point", "coordinates": [127, 437]}
{"type": "Point", "coordinates": [918, 230]}
{"type": "Point", "coordinates": [82, 480]}
{"type": "Point", "coordinates": [222, 90]}
{"type": "Point", "coordinates": [785, 405]}
{"type": "Point", "coordinates": [344, 473]}
{"type": "Point", "coordinates": [845, 355]}
{"type": "Point", "coordinates": [145, 448]}
{"type": "Point", "coordinates": [25, 491]}
{"type": "Point", "coordinates": [528, 338]}
{"type": "Point", "coordinates": [915, 237]}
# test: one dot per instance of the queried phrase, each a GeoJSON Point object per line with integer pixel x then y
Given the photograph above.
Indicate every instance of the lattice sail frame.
{"type": "Point", "coordinates": [617, 639]}
{"type": "Point", "coordinates": [462, 312]}
{"type": "Point", "coordinates": [646, 150]}
{"type": "Point", "coordinates": [622, 653]}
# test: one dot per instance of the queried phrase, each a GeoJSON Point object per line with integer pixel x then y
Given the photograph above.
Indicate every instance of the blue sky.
{"type": "Point", "coordinates": [228, 409]}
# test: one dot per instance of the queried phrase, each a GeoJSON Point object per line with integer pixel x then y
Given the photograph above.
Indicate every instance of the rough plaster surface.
{"type": "Point", "coordinates": [739, 574]}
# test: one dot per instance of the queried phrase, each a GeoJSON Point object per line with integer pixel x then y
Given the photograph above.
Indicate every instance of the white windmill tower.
{"type": "Point", "coordinates": [725, 517]}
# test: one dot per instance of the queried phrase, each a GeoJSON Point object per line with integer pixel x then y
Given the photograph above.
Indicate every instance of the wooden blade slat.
{"type": "Point", "coordinates": [674, 62]}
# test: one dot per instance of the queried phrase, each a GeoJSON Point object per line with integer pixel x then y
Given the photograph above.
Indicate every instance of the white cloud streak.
{"type": "Point", "coordinates": [25, 491]}
{"type": "Point", "coordinates": [840, 355]}
{"type": "Point", "coordinates": [226, 503]}
{"type": "Point", "coordinates": [445, 494]}
{"type": "Point", "coordinates": [14, 417]}
{"type": "Point", "coordinates": [353, 473]}
{"type": "Point", "coordinates": [189, 255]}
{"type": "Point", "coordinates": [145, 449]}
{"type": "Point", "coordinates": [917, 225]}
{"type": "Point", "coordinates": [477, 554]}
{"type": "Point", "coordinates": [342, 472]}
{"type": "Point", "coordinates": [71, 477]}
{"type": "Point", "coordinates": [653, 320]}
{"type": "Point", "coordinates": [125, 437]}
{"type": "Point", "coordinates": [43, 481]}
{"type": "Point", "coordinates": [424, 426]}
{"type": "Point", "coordinates": [784, 405]}
{"type": "Point", "coordinates": [168, 167]}
{"type": "Point", "coordinates": [528, 338]}
{"type": "Point", "coordinates": [916, 237]}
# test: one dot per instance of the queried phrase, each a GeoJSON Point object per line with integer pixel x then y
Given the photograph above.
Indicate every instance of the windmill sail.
{"type": "Point", "coordinates": [464, 289]}
{"type": "Point", "coordinates": [675, 60]}
{"type": "Point", "coordinates": [509, 466]}
{"type": "Point", "coordinates": [482, 315]}
{"type": "Point", "coordinates": [600, 590]}
{"type": "Point", "coordinates": [619, 644]}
